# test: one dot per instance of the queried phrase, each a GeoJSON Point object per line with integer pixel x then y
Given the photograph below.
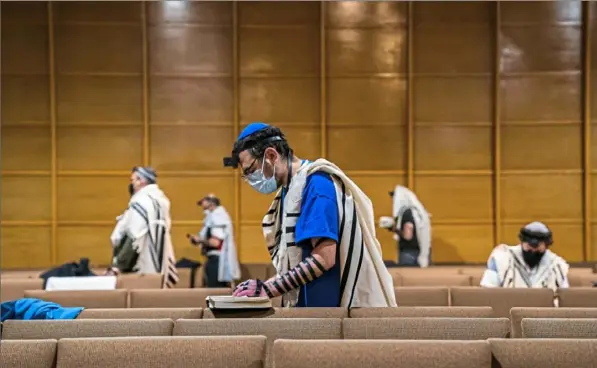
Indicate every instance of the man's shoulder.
{"type": "Point", "coordinates": [320, 183]}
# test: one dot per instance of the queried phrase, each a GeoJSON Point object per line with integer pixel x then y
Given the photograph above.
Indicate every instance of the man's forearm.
{"type": "Point", "coordinates": [305, 272]}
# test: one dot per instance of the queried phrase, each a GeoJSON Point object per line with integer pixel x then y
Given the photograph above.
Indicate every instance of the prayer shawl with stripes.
{"type": "Point", "coordinates": [228, 268]}
{"type": "Point", "coordinates": [147, 222]}
{"type": "Point", "coordinates": [365, 280]}
{"type": "Point", "coordinates": [513, 272]}
{"type": "Point", "coordinates": [405, 199]}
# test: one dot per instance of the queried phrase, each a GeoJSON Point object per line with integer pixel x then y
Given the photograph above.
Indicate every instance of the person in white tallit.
{"type": "Point", "coordinates": [147, 223]}
{"type": "Point", "coordinates": [411, 224]}
{"type": "Point", "coordinates": [217, 240]}
{"type": "Point", "coordinates": [530, 264]}
{"type": "Point", "coordinates": [319, 229]}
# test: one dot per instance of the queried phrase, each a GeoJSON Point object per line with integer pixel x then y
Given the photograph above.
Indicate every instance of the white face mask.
{"type": "Point", "coordinates": [260, 183]}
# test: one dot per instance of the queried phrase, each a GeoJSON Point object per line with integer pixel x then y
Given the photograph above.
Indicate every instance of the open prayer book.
{"type": "Point", "coordinates": [238, 302]}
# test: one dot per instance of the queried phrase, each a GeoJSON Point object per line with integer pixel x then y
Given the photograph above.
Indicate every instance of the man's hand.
{"type": "Point", "coordinates": [112, 271]}
{"type": "Point", "coordinates": [250, 288]}
{"type": "Point", "coordinates": [194, 239]}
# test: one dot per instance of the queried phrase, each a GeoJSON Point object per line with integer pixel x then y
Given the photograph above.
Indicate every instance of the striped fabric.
{"type": "Point", "coordinates": [365, 280]}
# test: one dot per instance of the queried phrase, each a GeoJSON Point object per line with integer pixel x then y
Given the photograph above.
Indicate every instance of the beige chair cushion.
{"type": "Point", "coordinates": [401, 312]}
{"type": "Point", "coordinates": [552, 353]}
{"type": "Point", "coordinates": [142, 313]}
{"type": "Point", "coordinates": [517, 314]}
{"type": "Point", "coordinates": [173, 298]}
{"type": "Point", "coordinates": [59, 329]}
{"type": "Point", "coordinates": [87, 299]}
{"type": "Point", "coordinates": [501, 299]}
{"type": "Point", "coordinates": [160, 352]}
{"type": "Point", "coordinates": [425, 328]}
{"type": "Point", "coordinates": [381, 354]}
{"type": "Point", "coordinates": [422, 296]}
{"type": "Point", "coordinates": [559, 328]}
{"type": "Point", "coordinates": [27, 353]}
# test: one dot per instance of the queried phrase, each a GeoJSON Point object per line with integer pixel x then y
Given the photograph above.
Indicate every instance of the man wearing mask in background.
{"type": "Point", "coordinates": [147, 223]}
{"type": "Point", "coordinates": [412, 225]}
{"type": "Point", "coordinates": [217, 241]}
{"type": "Point", "coordinates": [319, 229]}
{"type": "Point", "coordinates": [528, 265]}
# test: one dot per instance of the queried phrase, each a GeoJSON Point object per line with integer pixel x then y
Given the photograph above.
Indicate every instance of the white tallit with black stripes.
{"type": "Point", "coordinates": [506, 267]}
{"type": "Point", "coordinates": [365, 280]}
{"type": "Point", "coordinates": [405, 199]}
{"type": "Point", "coordinates": [147, 221]}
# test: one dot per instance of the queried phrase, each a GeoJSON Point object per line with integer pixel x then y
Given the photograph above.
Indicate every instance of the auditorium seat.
{"type": "Point", "coordinates": [582, 277]}
{"type": "Point", "coordinates": [422, 296]}
{"type": "Point", "coordinates": [139, 281]}
{"type": "Point", "coordinates": [425, 328]}
{"type": "Point", "coordinates": [578, 297]}
{"type": "Point", "coordinates": [87, 299]}
{"type": "Point", "coordinates": [436, 280]}
{"type": "Point", "coordinates": [158, 352]}
{"type": "Point", "coordinates": [559, 328]}
{"type": "Point", "coordinates": [381, 354]}
{"type": "Point", "coordinates": [27, 353]}
{"type": "Point", "coordinates": [59, 329]}
{"type": "Point", "coordinates": [517, 314]}
{"type": "Point", "coordinates": [142, 313]}
{"type": "Point", "coordinates": [12, 289]}
{"type": "Point", "coordinates": [552, 353]}
{"type": "Point", "coordinates": [500, 299]}
{"type": "Point", "coordinates": [402, 312]}
{"type": "Point", "coordinates": [272, 328]}
{"type": "Point", "coordinates": [281, 313]}
{"type": "Point", "coordinates": [173, 298]}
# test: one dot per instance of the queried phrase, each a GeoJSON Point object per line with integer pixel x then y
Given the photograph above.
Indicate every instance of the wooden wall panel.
{"type": "Point", "coordinates": [392, 92]}
{"type": "Point", "coordinates": [539, 56]}
{"type": "Point", "coordinates": [452, 126]}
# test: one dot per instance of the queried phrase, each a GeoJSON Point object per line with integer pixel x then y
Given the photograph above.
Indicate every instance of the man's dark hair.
{"type": "Point", "coordinates": [259, 141]}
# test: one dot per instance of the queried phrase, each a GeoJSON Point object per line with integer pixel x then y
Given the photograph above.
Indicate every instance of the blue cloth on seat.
{"type": "Point", "coordinates": [31, 308]}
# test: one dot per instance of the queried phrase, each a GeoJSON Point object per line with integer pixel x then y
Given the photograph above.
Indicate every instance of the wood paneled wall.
{"type": "Point", "coordinates": [484, 108]}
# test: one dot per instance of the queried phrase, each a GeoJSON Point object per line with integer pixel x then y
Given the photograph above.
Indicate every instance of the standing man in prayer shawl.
{"type": "Point", "coordinates": [529, 264]}
{"type": "Point", "coordinates": [147, 223]}
{"type": "Point", "coordinates": [217, 239]}
{"type": "Point", "coordinates": [319, 229]}
{"type": "Point", "coordinates": [411, 224]}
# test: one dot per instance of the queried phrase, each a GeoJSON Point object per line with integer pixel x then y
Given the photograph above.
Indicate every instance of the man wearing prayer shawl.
{"type": "Point", "coordinates": [147, 223]}
{"type": "Point", "coordinates": [412, 227]}
{"type": "Point", "coordinates": [319, 229]}
{"type": "Point", "coordinates": [217, 239]}
{"type": "Point", "coordinates": [530, 264]}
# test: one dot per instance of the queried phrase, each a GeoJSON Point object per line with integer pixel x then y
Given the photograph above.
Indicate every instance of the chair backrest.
{"type": "Point", "coordinates": [462, 312]}
{"type": "Point", "coordinates": [425, 328]}
{"type": "Point", "coordinates": [559, 328]}
{"type": "Point", "coordinates": [501, 299]}
{"type": "Point", "coordinates": [272, 328]}
{"type": "Point", "coordinates": [80, 298]}
{"type": "Point", "coordinates": [436, 280]}
{"type": "Point", "coordinates": [422, 296]}
{"type": "Point", "coordinates": [28, 353]}
{"type": "Point", "coordinates": [581, 297]}
{"type": "Point", "coordinates": [12, 289]}
{"type": "Point", "coordinates": [139, 281]}
{"type": "Point", "coordinates": [181, 351]}
{"type": "Point", "coordinates": [518, 313]}
{"type": "Point", "coordinates": [59, 329]}
{"type": "Point", "coordinates": [552, 353]}
{"type": "Point", "coordinates": [142, 313]}
{"type": "Point", "coordinates": [280, 313]}
{"type": "Point", "coordinates": [381, 354]}
{"type": "Point", "coordinates": [173, 298]}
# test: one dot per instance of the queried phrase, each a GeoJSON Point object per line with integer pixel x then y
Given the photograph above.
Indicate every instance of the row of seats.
{"type": "Point", "coordinates": [426, 328]}
{"type": "Point", "coordinates": [254, 352]}
{"type": "Point", "coordinates": [501, 300]}
{"type": "Point", "coordinates": [516, 314]}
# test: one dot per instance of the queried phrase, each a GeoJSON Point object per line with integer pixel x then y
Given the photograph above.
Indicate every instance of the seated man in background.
{"type": "Point", "coordinates": [412, 226]}
{"type": "Point", "coordinates": [319, 229]}
{"type": "Point", "coordinates": [529, 264]}
{"type": "Point", "coordinates": [146, 225]}
{"type": "Point", "coordinates": [217, 242]}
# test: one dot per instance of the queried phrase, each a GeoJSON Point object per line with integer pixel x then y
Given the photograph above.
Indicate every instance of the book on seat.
{"type": "Point", "coordinates": [238, 302]}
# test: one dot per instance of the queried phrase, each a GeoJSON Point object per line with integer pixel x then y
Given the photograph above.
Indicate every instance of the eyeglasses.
{"type": "Point", "coordinates": [248, 171]}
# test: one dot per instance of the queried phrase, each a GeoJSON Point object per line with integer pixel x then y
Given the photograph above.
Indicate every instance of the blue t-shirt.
{"type": "Point", "coordinates": [319, 219]}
